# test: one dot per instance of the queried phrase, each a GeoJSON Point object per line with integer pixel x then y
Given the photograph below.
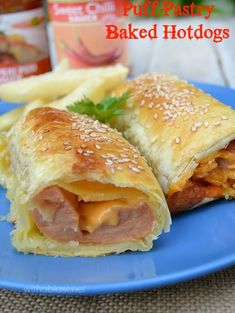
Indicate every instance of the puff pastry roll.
{"type": "Point", "coordinates": [187, 137]}
{"type": "Point", "coordinates": [78, 188]}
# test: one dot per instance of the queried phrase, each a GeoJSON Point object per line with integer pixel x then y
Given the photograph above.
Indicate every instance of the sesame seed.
{"type": "Point", "coordinates": [98, 147]}
{"type": "Point", "coordinates": [109, 162]}
{"type": "Point", "coordinates": [194, 129]}
{"type": "Point", "coordinates": [83, 146]}
{"type": "Point", "coordinates": [224, 117]}
{"type": "Point", "coordinates": [135, 169]}
{"type": "Point", "coordinates": [119, 168]}
{"type": "Point", "coordinates": [198, 124]}
{"type": "Point", "coordinates": [89, 152]}
{"type": "Point", "coordinates": [80, 151]}
{"type": "Point", "coordinates": [155, 116]}
{"type": "Point", "coordinates": [206, 124]}
{"type": "Point", "coordinates": [45, 148]}
{"type": "Point", "coordinates": [134, 162]}
{"type": "Point", "coordinates": [217, 123]}
{"type": "Point", "coordinates": [136, 156]}
{"type": "Point", "coordinates": [67, 148]}
{"type": "Point", "coordinates": [177, 140]}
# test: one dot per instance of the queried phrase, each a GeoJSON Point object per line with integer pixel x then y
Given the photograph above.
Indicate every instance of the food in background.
{"type": "Point", "coordinates": [23, 41]}
{"type": "Point", "coordinates": [18, 51]}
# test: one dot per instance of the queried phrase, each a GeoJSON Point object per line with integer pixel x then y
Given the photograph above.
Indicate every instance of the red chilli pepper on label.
{"type": "Point", "coordinates": [85, 56]}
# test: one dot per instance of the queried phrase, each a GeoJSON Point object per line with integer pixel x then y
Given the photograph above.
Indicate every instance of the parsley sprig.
{"type": "Point", "coordinates": [103, 111]}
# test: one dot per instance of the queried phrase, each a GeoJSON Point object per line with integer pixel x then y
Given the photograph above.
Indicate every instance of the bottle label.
{"type": "Point", "coordinates": [85, 12]}
{"type": "Point", "coordinates": [79, 32]}
{"type": "Point", "coordinates": [23, 45]}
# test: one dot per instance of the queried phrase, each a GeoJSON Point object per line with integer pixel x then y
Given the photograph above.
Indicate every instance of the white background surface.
{"type": "Point", "coordinates": [200, 60]}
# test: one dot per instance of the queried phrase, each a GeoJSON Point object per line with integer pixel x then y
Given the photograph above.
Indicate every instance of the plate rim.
{"type": "Point", "coordinates": [122, 287]}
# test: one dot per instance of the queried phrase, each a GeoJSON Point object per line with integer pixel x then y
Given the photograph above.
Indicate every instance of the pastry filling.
{"type": "Point", "coordinates": [213, 178]}
{"type": "Point", "coordinates": [64, 216]}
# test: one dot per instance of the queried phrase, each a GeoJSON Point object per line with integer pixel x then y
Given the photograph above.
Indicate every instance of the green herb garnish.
{"type": "Point", "coordinates": [103, 111]}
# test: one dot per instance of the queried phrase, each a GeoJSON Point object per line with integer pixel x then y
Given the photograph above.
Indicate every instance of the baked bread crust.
{"type": "Point", "coordinates": [53, 147]}
{"type": "Point", "coordinates": [174, 124]}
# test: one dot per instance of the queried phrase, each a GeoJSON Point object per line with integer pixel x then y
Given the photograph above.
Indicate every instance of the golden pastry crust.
{"type": "Point", "coordinates": [174, 124]}
{"type": "Point", "coordinates": [55, 145]}
{"type": "Point", "coordinates": [49, 147]}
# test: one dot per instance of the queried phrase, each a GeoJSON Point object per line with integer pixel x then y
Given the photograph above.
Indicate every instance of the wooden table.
{"type": "Point", "coordinates": [200, 60]}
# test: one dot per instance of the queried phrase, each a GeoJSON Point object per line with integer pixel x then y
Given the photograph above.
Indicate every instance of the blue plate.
{"type": "Point", "coordinates": [200, 242]}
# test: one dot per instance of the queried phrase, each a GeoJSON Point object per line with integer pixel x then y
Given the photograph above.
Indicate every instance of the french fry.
{"type": "Point", "coordinates": [94, 89]}
{"type": "Point", "coordinates": [53, 85]}
{"type": "Point", "coordinates": [62, 67]}
{"type": "Point", "coordinates": [33, 105]}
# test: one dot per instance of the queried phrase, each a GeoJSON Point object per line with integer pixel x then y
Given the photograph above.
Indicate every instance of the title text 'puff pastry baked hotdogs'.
{"type": "Point", "coordinates": [187, 137]}
{"type": "Point", "coordinates": [77, 187]}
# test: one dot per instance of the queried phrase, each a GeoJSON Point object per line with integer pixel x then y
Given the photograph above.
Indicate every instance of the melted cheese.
{"type": "Point", "coordinates": [93, 215]}
{"type": "Point", "coordinates": [217, 170]}
{"type": "Point", "coordinates": [179, 185]}
{"type": "Point", "coordinates": [95, 191]}
{"type": "Point", "coordinates": [102, 202]}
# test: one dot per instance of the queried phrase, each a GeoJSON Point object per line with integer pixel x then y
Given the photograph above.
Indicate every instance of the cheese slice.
{"type": "Point", "coordinates": [95, 191]}
{"type": "Point", "coordinates": [94, 214]}
{"type": "Point", "coordinates": [102, 202]}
